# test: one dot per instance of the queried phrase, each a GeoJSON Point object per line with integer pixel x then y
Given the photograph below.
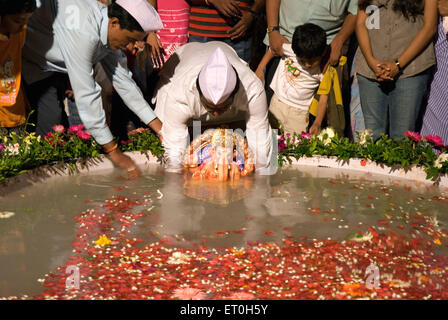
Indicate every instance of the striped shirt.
{"type": "Point", "coordinates": [174, 15]}
{"type": "Point", "coordinates": [208, 22]}
{"type": "Point", "coordinates": [435, 120]}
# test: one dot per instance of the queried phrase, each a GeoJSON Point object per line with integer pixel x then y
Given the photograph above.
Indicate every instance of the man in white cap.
{"type": "Point", "coordinates": [70, 37]}
{"type": "Point", "coordinates": [210, 83]}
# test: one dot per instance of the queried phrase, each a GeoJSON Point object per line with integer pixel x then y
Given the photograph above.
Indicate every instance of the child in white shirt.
{"type": "Point", "coordinates": [297, 79]}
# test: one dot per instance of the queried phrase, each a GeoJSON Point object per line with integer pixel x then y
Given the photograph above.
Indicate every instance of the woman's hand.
{"type": "Point", "coordinates": [381, 73]}
{"type": "Point", "coordinates": [391, 70]}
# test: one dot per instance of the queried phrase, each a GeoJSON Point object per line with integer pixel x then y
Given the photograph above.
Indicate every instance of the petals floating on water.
{"type": "Point", "coordinates": [6, 214]}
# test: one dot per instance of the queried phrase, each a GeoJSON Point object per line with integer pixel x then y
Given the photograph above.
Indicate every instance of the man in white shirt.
{"type": "Point", "coordinates": [210, 83]}
{"type": "Point", "coordinates": [70, 37]}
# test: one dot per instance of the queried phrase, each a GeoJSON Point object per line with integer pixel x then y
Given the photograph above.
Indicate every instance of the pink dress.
{"type": "Point", "coordinates": [174, 15]}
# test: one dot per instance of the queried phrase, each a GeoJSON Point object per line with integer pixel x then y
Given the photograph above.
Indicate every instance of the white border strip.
{"type": "Point", "coordinates": [96, 165]}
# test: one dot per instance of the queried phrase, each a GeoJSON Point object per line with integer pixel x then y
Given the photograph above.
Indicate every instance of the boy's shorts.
{"type": "Point", "coordinates": [291, 119]}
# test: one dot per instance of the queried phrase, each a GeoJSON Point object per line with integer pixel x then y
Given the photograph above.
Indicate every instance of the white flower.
{"type": "Point", "coordinates": [13, 149]}
{"type": "Point", "coordinates": [365, 237]}
{"type": "Point", "coordinates": [443, 157]}
{"type": "Point", "coordinates": [179, 258]}
{"type": "Point", "coordinates": [330, 135]}
{"type": "Point", "coordinates": [364, 135]}
{"type": "Point", "coordinates": [6, 214]}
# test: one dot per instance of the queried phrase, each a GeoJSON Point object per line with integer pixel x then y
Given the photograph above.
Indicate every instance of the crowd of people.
{"type": "Point", "coordinates": [293, 65]}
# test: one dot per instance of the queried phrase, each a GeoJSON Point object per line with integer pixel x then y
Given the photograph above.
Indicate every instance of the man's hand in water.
{"type": "Point", "coordinates": [125, 162]}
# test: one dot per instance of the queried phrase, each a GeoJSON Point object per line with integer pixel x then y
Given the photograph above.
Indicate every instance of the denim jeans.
{"type": "Point", "coordinates": [398, 101]}
{"type": "Point", "coordinates": [243, 47]}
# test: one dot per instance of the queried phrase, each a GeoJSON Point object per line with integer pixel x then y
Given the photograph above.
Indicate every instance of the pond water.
{"type": "Point", "coordinates": [164, 233]}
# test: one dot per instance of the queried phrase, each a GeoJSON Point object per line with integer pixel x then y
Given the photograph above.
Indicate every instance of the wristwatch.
{"type": "Point", "coordinates": [270, 29]}
{"type": "Point", "coordinates": [400, 69]}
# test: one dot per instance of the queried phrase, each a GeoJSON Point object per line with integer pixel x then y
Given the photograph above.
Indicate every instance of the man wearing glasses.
{"type": "Point", "coordinates": [208, 82]}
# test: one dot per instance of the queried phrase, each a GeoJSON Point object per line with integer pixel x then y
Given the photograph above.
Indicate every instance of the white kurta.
{"type": "Point", "coordinates": [177, 103]}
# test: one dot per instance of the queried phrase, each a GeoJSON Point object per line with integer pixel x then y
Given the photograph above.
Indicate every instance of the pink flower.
{"type": "Point", "coordinates": [242, 296]}
{"type": "Point", "coordinates": [83, 135]}
{"type": "Point", "coordinates": [435, 140]}
{"type": "Point", "coordinates": [2, 147]}
{"type": "Point", "coordinates": [76, 128]}
{"type": "Point", "coordinates": [188, 294]}
{"type": "Point", "coordinates": [413, 136]}
{"type": "Point", "coordinates": [281, 146]}
{"type": "Point", "coordinates": [306, 135]}
{"type": "Point", "coordinates": [59, 128]}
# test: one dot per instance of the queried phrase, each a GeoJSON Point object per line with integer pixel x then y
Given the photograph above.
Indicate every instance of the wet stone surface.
{"type": "Point", "coordinates": [306, 233]}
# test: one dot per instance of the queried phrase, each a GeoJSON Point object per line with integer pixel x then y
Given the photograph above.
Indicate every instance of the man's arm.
{"type": "Point", "coordinates": [348, 28]}
{"type": "Point", "coordinates": [321, 112]}
{"type": "Point", "coordinates": [174, 129]}
{"type": "Point", "coordinates": [258, 130]}
{"type": "Point", "coordinates": [276, 40]}
{"type": "Point", "coordinates": [77, 50]}
{"type": "Point", "coordinates": [263, 63]}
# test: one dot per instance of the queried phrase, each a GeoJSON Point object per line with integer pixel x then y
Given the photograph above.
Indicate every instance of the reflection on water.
{"type": "Point", "coordinates": [316, 203]}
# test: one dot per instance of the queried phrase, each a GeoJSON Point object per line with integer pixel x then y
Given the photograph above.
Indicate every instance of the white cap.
{"type": "Point", "coordinates": [144, 13]}
{"type": "Point", "coordinates": [217, 78]}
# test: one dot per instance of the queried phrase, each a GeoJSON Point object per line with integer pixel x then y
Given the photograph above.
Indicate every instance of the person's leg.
{"type": "Point", "coordinates": [374, 103]}
{"type": "Point", "coordinates": [296, 120]}
{"type": "Point", "coordinates": [405, 103]}
{"type": "Point", "coordinates": [120, 117]}
{"type": "Point", "coordinates": [47, 99]}
{"type": "Point", "coordinates": [277, 114]}
{"type": "Point", "coordinates": [73, 115]}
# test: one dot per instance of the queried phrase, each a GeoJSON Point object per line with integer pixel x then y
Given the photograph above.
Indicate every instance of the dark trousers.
{"type": "Point", "coordinates": [123, 119]}
{"type": "Point", "coordinates": [46, 98]}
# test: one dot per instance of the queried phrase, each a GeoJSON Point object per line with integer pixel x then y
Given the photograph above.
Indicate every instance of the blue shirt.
{"type": "Point", "coordinates": [71, 36]}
